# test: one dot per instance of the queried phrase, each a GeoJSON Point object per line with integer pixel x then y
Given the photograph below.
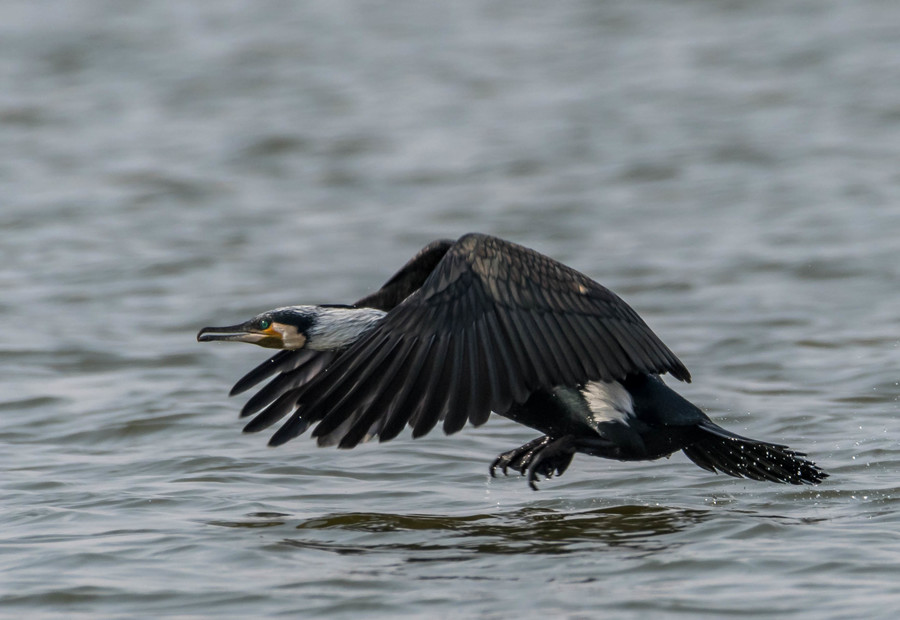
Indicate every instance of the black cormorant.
{"type": "Point", "coordinates": [477, 325]}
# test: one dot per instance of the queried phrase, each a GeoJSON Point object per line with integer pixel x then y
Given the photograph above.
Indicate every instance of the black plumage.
{"type": "Point", "coordinates": [480, 325]}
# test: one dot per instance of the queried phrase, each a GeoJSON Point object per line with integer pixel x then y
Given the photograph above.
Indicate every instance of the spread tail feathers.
{"type": "Point", "coordinates": [719, 450]}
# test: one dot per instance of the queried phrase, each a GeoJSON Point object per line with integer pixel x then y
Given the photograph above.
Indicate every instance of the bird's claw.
{"type": "Point", "coordinates": [543, 456]}
{"type": "Point", "coordinates": [518, 458]}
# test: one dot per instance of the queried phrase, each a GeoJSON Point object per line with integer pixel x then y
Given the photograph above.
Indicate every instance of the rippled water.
{"type": "Point", "coordinates": [731, 169]}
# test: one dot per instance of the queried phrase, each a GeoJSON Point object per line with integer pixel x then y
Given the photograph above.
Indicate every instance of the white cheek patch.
{"type": "Point", "coordinates": [290, 337]}
{"type": "Point", "coordinates": [608, 401]}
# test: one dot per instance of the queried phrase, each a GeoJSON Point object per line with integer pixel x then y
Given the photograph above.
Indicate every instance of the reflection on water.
{"type": "Point", "coordinates": [527, 530]}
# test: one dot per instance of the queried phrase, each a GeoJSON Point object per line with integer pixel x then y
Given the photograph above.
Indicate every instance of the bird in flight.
{"type": "Point", "coordinates": [481, 324]}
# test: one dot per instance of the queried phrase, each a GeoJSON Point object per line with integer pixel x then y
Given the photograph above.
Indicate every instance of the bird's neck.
{"type": "Point", "coordinates": [338, 328]}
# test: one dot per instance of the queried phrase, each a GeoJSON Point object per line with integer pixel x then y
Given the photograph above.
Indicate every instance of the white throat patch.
{"type": "Point", "coordinates": [608, 401]}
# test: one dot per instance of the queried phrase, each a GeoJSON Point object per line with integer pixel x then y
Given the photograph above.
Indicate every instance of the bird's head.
{"type": "Point", "coordinates": [282, 328]}
{"type": "Point", "coordinates": [321, 328]}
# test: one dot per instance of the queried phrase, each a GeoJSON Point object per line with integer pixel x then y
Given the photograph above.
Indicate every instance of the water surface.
{"type": "Point", "coordinates": [730, 169]}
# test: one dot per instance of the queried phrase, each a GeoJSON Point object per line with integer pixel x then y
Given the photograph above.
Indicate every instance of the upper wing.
{"type": "Point", "coordinates": [492, 322]}
{"type": "Point", "coordinates": [409, 279]}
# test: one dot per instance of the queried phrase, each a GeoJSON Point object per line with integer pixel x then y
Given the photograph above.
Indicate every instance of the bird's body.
{"type": "Point", "coordinates": [480, 325]}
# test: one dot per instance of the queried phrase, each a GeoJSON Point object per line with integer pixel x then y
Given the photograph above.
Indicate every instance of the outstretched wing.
{"type": "Point", "coordinates": [493, 322]}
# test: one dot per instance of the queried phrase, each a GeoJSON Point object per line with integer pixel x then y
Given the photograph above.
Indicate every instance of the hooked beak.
{"type": "Point", "coordinates": [244, 332]}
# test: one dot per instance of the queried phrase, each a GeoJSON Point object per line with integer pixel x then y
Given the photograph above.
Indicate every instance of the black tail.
{"type": "Point", "coordinates": [720, 450]}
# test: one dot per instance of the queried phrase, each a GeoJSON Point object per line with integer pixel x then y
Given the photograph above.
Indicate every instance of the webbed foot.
{"type": "Point", "coordinates": [546, 456]}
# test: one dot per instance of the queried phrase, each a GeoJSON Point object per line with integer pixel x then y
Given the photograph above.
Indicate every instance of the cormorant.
{"type": "Point", "coordinates": [477, 325]}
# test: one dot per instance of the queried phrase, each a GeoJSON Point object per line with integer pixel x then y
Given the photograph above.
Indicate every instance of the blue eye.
{"type": "Point", "coordinates": [264, 324]}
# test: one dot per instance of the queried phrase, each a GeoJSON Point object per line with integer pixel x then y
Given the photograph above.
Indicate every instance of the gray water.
{"type": "Point", "coordinates": [732, 169]}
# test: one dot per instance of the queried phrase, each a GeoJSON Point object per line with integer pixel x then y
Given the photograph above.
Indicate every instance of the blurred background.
{"type": "Point", "coordinates": [731, 169]}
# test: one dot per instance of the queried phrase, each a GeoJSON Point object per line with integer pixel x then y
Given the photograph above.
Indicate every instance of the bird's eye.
{"type": "Point", "coordinates": [264, 324]}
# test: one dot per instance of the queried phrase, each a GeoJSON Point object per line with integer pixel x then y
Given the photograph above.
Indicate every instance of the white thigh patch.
{"type": "Point", "coordinates": [608, 401]}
